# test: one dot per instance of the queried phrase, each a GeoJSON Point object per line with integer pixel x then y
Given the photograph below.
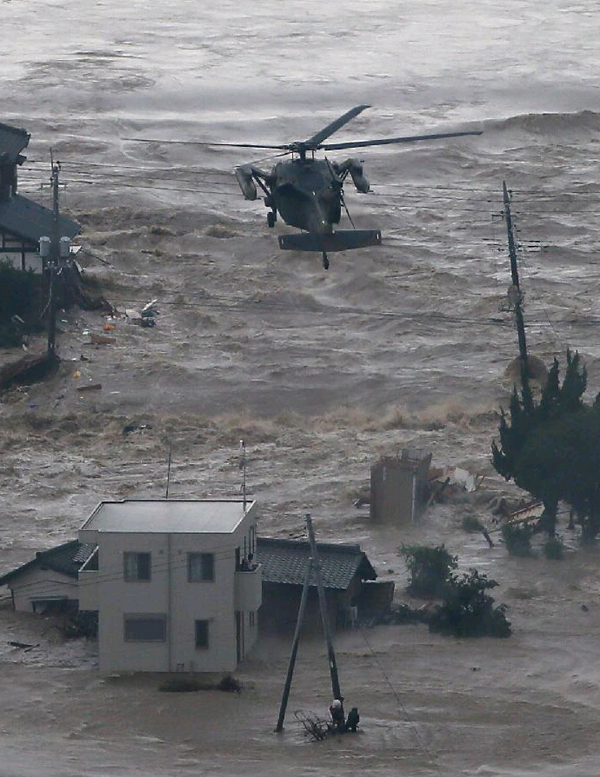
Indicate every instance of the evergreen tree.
{"type": "Point", "coordinates": [530, 449]}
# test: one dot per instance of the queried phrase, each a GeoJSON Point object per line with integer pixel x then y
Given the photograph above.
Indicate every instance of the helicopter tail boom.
{"type": "Point", "coordinates": [344, 240]}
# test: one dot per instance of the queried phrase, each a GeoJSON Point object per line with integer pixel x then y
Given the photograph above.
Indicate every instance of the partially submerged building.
{"type": "Point", "coordinates": [399, 487]}
{"type": "Point", "coordinates": [50, 580]}
{"type": "Point", "coordinates": [345, 570]}
{"type": "Point", "coordinates": [166, 580]}
{"type": "Point", "coordinates": [23, 222]}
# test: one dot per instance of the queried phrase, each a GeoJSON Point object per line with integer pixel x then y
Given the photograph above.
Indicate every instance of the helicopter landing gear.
{"type": "Point", "coordinates": [271, 218]}
{"type": "Point", "coordinates": [325, 261]}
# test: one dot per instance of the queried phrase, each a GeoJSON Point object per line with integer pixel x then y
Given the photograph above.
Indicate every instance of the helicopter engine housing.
{"type": "Point", "coordinates": [245, 179]}
{"type": "Point", "coordinates": [359, 179]}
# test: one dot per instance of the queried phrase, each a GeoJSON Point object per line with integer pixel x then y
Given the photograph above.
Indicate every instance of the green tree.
{"type": "Point", "coordinates": [521, 453]}
{"type": "Point", "coordinates": [563, 458]}
{"type": "Point", "coordinates": [468, 611]}
{"type": "Point", "coordinates": [429, 569]}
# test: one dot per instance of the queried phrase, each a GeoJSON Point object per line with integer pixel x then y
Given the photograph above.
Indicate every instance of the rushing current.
{"type": "Point", "coordinates": [406, 343]}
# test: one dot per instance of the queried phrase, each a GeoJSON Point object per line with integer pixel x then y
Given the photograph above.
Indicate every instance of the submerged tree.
{"type": "Point", "coordinates": [429, 569]}
{"type": "Point", "coordinates": [468, 611]}
{"type": "Point", "coordinates": [563, 458]}
{"type": "Point", "coordinates": [529, 449]}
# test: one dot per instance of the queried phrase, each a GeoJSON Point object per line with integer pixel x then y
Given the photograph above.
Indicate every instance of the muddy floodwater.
{"type": "Point", "coordinates": [404, 345]}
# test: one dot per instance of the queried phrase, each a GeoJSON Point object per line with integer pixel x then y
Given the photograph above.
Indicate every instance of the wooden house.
{"type": "Point", "coordinates": [344, 571]}
{"type": "Point", "coordinates": [22, 221]}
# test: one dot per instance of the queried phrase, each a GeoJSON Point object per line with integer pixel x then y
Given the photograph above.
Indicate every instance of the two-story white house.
{"type": "Point", "coordinates": [167, 581]}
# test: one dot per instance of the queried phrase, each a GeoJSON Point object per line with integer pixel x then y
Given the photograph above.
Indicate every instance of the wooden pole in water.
{"type": "Point", "coordinates": [335, 683]}
{"type": "Point", "coordinates": [512, 252]}
{"type": "Point", "coordinates": [294, 653]}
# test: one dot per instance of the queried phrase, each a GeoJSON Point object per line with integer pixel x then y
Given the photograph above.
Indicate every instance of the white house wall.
{"type": "Point", "coordinates": [41, 584]}
{"type": "Point", "coordinates": [169, 593]}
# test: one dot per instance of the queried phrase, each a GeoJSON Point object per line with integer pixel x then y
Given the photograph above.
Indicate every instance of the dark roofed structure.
{"type": "Point", "coordinates": [66, 559]}
{"type": "Point", "coordinates": [22, 221]}
{"type": "Point", "coordinates": [345, 571]}
{"type": "Point", "coordinates": [12, 141]}
{"type": "Point", "coordinates": [50, 577]}
{"type": "Point", "coordinates": [28, 221]}
{"type": "Point", "coordinates": [284, 561]}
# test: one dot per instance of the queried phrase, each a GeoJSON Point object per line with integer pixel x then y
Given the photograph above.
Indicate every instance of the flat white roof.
{"type": "Point", "coordinates": [207, 516]}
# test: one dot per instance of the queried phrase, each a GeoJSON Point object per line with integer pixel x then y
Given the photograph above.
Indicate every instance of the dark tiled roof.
{"type": "Point", "coordinates": [12, 141]}
{"type": "Point", "coordinates": [284, 561]}
{"type": "Point", "coordinates": [67, 558]}
{"type": "Point", "coordinates": [30, 221]}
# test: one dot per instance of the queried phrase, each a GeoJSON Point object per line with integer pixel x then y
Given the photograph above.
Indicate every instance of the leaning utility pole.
{"type": "Point", "coordinates": [312, 564]}
{"type": "Point", "coordinates": [294, 653]}
{"type": "Point", "coordinates": [517, 297]}
{"type": "Point", "coordinates": [335, 684]}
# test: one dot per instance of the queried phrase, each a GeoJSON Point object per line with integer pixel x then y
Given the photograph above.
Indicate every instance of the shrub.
{"type": "Point", "coordinates": [517, 538]}
{"type": "Point", "coordinates": [467, 611]}
{"type": "Point", "coordinates": [19, 296]}
{"type": "Point", "coordinates": [188, 684]}
{"type": "Point", "coordinates": [472, 524]}
{"type": "Point", "coordinates": [229, 683]}
{"type": "Point", "coordinates": [429, 569]}
{"type": "Point", "coordinates": [554, 548]}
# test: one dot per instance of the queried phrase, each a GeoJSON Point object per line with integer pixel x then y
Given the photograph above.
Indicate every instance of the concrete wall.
{"type": "Point", "coordinates": [169, 593]}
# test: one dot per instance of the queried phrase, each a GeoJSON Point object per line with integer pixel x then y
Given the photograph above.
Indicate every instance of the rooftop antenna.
{"type": "Point", "coordinates": [243, 468]}
{"type": "Point", "coordinates": [169, 470]}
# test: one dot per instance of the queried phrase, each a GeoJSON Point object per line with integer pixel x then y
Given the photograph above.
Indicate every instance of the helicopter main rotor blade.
{"type": "Point", "coordinates": [334, 126]}
{"type": "Point", "coordinates": [280, 147]}
{"type": "Point", "coordinates": [389, 141]}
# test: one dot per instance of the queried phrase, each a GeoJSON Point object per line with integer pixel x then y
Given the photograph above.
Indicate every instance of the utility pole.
{"type": "Point", "coordinates": [53, 262]}
{"type": "Point", "coordinates": [312, 565]}
{"type": "Point", "coordinates": [169, 470]}
{"type": "Point", "coordinates": [243, 468]}
{"type": "Point", "coordinates": [335, 683]}
{"type": "Point", "coordinates": [51, 253]}
{"type": "Point", "coordinates": [517, 297]}
{"type": "Point", "coordinates": [294, 653]}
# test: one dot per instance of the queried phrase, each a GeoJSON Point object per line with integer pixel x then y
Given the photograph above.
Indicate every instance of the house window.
{"type": "Point", "coordinates": [202, 634]}
{"type": "Point", "coordinates": [136, 566]}
{"type": "Point", "coordinates": [201, 567]}
{"type": "Point", "coordinates": [145, 628]}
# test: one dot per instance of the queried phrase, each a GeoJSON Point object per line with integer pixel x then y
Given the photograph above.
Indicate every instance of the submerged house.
{"type": "Point", "coordinates": [23, 222]}
{"type": "Point", "coordinates": [165, 579]}
{"type": "Point", "coordinates": [167, 582]}
{"type": "Point", "coordinates": [345, 570]}
{"type": "Point", "coordinates": [50, 580]}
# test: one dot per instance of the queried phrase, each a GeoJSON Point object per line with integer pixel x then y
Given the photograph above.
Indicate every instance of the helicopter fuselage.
{"type": "Point", "coordinates": [307, 193]}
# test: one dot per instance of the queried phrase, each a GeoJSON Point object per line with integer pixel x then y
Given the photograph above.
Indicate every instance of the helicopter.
{"type": "Point", "coordinates": [307, 192]}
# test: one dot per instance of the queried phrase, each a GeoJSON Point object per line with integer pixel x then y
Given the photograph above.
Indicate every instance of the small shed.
{"type": "Point", "coordinates": [344, 570]}
{"type": "Point", "coordinates": [399, 487]}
